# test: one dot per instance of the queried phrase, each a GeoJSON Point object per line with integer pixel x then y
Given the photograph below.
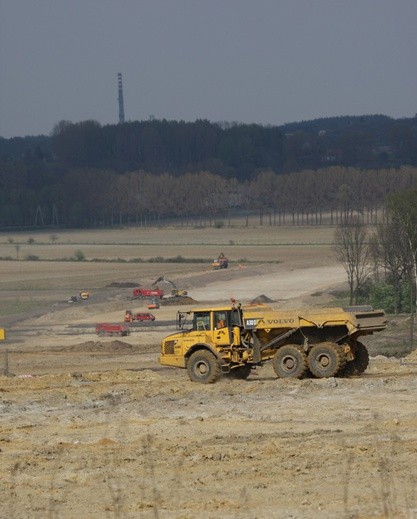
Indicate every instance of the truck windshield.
{"type": "Point", "coordinates": [201, 321]}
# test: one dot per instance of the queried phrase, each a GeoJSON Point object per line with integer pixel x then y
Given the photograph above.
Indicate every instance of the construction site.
{"type": "Point", "coordinates": [94, 425]}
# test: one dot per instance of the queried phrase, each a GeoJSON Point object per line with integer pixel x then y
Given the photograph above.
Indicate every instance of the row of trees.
{"type": "Point", "coordinates": [390, 252]}
{"type": "Point", "coordinates": [90, 197]}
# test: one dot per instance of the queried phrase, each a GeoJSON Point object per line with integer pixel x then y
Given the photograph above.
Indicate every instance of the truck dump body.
{"type": "Point", "coordinates": [356, 321]}
{"type": "Point", "coordinates": [112, 329]}
{"type": "Point", "coordinates": [323, 342]}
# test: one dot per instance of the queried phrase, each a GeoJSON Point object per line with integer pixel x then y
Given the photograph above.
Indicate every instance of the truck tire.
{"type": "Point", "coordinates": [325, 360]}
{"type": "Point", "coordinates": [203, 367]}
{"type": "Point", "coordinates": [359, 364]}
{"type": "Point", "coordinates": [290, 361]}
{"type": "Point", "coordinates": [240, 373]}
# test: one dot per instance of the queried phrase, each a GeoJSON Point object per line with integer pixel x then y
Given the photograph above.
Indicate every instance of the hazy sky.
{"type": "Point", "coordinates": [261, 61]}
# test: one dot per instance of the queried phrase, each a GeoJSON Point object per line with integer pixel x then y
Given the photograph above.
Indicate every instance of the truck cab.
{"type": "Point", "coordinates": [217, 330]}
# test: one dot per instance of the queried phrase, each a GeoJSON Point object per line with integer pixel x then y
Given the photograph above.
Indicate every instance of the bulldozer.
{"type": "Point", "coordinates": [236, 339]}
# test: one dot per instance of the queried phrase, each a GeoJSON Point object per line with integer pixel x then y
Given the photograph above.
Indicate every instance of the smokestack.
{"type": "Point", "coordinates": [121, 103]}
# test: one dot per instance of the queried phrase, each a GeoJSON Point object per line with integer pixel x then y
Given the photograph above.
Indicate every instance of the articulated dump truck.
{"type": "Point", "coordinates": [235, 340]}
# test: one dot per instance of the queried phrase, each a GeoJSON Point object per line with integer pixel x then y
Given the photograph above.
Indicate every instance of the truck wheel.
{"type": "Point", "coordinates": [240, 373]}
{"type": "Point", "coordinates": [359, 364]}
{"type": "Point", "coordinates": [325, 360]}
{"type": "Point", "coordinates": [203, 367]}
{"type": "Point", "coordinates": [290, 361]}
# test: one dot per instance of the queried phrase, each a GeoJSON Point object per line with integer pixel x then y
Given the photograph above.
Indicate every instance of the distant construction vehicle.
{"type": "Point", "coordinates": [148, 293]}
{"type": "Point", "coordinates": [83, 295]}
{"type": "Point", "coordinates": [131, 316]}
{"type": "Point", "coordinates": [110, 329]}
{"type": "Point", "coordinates": [222, 262]}
{"type": "Point", "coordinates": [153, 305]}
{"type": "Point", "coordinates": [236, 339]}
{"type": "Point", "coordinates": [175, 292]}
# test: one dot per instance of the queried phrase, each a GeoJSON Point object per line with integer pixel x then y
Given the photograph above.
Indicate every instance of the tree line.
{"type": "Point", "coordinates": [86, 174]}
{"type": "Point", "coordinates": [95, 198]}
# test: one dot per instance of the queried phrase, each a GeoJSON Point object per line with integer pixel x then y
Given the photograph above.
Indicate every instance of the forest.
{"type": "Point", "coordinates": [145, 172]}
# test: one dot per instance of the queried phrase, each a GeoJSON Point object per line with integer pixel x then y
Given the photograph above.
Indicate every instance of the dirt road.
{"type": "Point", "coordinates": [279, 284]}
{"type": "Point", "coordinates": [98, 429]}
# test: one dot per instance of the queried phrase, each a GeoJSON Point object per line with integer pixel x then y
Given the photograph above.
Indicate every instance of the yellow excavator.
{"type": "Point", "coordinates": [174, 290]}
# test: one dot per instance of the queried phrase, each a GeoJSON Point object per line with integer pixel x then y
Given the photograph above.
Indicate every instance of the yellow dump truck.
{"type": "Point", "coordinates": [236, 339]}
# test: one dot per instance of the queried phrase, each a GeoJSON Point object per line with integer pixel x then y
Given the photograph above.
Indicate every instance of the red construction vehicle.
{"type": "Point", "coordinates": [110, 329]}
{"type": "Point", "coordinates": [153, 305]}
{"type": "Point", "coordinates": [131, 316]}
{"type": "Point", "coordinates": [148, 292]}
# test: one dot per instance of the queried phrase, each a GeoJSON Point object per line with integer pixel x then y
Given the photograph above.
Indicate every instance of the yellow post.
{"type": "Point", "coordinates": [2, 334]}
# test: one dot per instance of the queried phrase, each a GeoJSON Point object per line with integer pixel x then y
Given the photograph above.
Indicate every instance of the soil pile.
{"type": "Point", "coordinates": [262, 299]}
{"type": "Point", "coordinates": [122, 284]}
{"type": "Point", "coordinates": [178, 300]}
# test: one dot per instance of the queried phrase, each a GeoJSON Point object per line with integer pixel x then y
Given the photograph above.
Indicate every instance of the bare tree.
{"type": "Point", "coordinates": [389, 250]}
{"type": "Point", "coordinates": [264, 189]}
{"type": "Point", "coordinates": [352, 250]}
{"type": "Point", "coordinates": [402, 208]}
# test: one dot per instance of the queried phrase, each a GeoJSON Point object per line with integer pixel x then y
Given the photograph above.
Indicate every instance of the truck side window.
{"type": "Point", "coordinates": [220, 320]}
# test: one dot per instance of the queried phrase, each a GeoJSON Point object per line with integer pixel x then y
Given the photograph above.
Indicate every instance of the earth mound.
{"type": "Point", "coordinates": [262, 299]}
{"type": "Point", "coordinates": [178, 300]}
{"type": "Point", "coordinates": [122, 284]}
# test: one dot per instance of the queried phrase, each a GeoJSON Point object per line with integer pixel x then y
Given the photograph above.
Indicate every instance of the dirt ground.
{"type": "Point", "coordinates": [97, 428]}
